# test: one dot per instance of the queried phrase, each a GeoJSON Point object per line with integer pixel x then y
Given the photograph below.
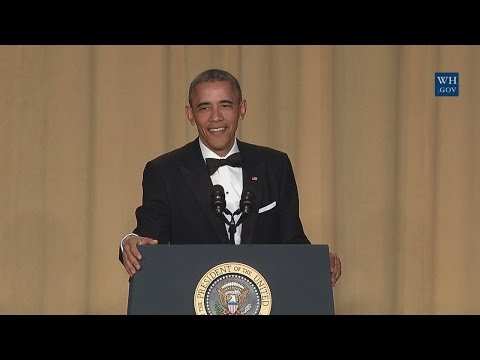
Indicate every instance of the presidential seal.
{"type": "Point", "coordinates": [232, 289]}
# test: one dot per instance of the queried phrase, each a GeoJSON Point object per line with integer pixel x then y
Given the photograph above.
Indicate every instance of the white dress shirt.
{"type": "Point", "coordinates": [231, 179]}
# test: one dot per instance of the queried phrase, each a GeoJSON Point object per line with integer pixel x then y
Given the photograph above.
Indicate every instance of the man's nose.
{"type": "Point", "coordinates": [216, 114]}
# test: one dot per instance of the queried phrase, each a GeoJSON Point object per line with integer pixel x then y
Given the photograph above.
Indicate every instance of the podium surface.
{"type": "Point", "coordinates": [232, 279]}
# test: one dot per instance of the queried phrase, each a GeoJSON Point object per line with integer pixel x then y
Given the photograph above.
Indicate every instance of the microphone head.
{"type": "Point", "coordinates": [247, 201]}
{"type": "Point", "coordinates": [218, 199]}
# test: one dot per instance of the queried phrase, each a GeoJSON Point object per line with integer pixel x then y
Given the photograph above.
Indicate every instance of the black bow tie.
{"type": "Point", "coordinates": [234, 160]}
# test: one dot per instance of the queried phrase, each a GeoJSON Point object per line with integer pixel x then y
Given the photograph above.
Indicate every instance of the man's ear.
{"type": "Point", "coordinates": [243, 109]}
{"type": "Point", "coordinates": [189, 114]}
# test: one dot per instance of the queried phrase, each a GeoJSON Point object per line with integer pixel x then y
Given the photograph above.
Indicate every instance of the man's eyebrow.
{"type": "Point", "coordinates": [203, 104]}
{"type": "Point", "coordinates": [221, 102]}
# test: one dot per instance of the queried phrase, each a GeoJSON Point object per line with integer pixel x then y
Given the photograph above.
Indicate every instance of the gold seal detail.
{"type": "Point", "coordinates": [232, 289]}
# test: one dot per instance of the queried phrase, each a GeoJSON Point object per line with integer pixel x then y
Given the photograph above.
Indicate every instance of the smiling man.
{"type": "Point", "coordinates": [178, 186]}
{"type": "Point", "coordinates": [216, 108]}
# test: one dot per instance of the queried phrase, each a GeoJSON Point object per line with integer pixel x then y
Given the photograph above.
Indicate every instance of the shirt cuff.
{"type": "Point", "coordinates": [125, 238]}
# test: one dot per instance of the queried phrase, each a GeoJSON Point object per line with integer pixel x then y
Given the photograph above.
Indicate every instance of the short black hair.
{"type": "Point", "coordinates": [214, 75]}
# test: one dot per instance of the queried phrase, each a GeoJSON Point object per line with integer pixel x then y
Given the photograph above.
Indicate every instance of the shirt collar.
{"type": "Point", "coordinates": [207, 153]}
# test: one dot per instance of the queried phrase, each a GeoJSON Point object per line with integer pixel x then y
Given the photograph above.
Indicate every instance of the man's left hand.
{"type": "Point", "coordinates": [335, 268]}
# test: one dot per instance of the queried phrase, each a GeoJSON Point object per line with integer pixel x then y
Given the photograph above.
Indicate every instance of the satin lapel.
{"type": "Point", "coordinates": [196, 176]}
{"type": "Point", "coordinates": [253, 177]}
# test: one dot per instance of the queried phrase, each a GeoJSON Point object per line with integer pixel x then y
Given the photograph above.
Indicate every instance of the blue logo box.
{"type": "Point", "coordinates": [446, 83]}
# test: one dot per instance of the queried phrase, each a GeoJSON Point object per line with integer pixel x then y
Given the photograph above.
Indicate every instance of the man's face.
{"type": "Point", "coordinates": [216, 111]}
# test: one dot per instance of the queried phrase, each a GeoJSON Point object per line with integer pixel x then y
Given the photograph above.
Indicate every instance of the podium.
{"type": "Point", "coordinates": [250, 279]}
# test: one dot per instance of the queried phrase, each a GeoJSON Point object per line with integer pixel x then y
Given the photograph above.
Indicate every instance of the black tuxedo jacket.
{"type": "Point", "coordinates": [177, 190]}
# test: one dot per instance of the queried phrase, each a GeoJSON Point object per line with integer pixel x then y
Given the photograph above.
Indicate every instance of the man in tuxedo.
{"type": "Point", "coordinates": [187, 191]}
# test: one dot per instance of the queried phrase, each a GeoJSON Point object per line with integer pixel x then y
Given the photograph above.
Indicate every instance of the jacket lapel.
{"type": "Point", "coordinates": [253, 178]}
{"type": "Point", "coordinates": [198, 180]}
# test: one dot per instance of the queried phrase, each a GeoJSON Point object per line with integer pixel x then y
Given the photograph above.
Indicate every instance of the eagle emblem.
{"type": "Point", "coordinates": [232, 299]}
{"type": "Point", "coordinates": [232, 288]}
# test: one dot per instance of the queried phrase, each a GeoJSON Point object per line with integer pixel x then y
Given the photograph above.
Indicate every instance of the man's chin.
{"type": "Point", "coordinates": [220, 147]}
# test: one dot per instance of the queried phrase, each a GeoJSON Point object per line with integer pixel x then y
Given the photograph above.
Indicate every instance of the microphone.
{"type": "Point", "coordinates": [247, 202]}
{"type": "Point", "coordinates": [219, 206]}
{"type": "Point", "coordinates": [247, 205]}
{"type": "Point", "coordinates": [218, 199]}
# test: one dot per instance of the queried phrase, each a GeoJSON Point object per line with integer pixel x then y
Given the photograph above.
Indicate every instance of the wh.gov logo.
{"type": "Point", "coordinates": [446, 84]}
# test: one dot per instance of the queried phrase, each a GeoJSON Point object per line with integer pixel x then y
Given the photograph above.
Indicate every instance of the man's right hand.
{"type": "Point", "coordinates": [131, 255]}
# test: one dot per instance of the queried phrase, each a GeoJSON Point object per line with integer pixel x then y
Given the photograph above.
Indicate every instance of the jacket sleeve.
{"type": "Point", "coordinates": [154, 214]}
{"type": "Point", "coordinates": [291, 229]}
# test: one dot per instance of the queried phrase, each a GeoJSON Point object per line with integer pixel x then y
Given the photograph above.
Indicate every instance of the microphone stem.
{"type": "Point", "coordinates": [232, 228]}
{"type": "Point", "coordinates": [240, 220]}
